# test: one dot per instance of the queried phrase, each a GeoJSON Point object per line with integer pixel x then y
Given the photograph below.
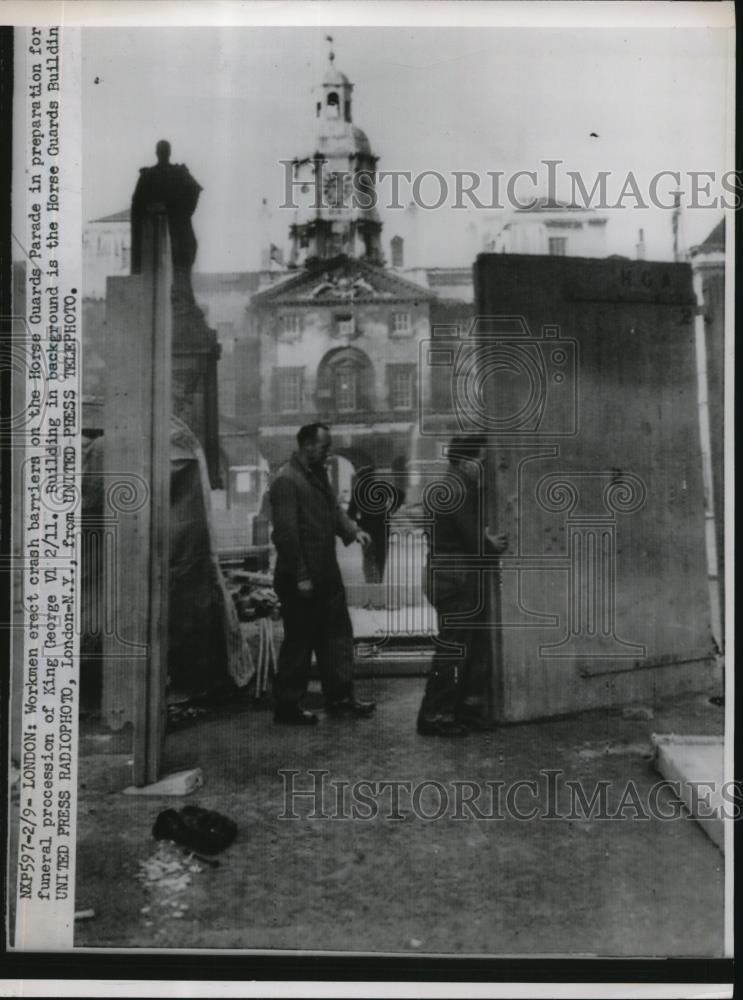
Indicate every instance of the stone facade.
{"type": "Point", "coordinates": [336, 336]}
{"type": "Point", "coordinates": [107, 244]}
{"type": "Point", "coordinates": [341, 343]}
{"type": "Point", "coordinates": [549, 228]}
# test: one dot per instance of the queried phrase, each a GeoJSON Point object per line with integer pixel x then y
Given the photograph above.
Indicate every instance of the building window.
{"type": "Point", "coordinates": [290, 326]}
{"type": "Point", "coordinates": [346, 388]}
{"type": "Point", "coordinates": [397, 251]}
{"type": "Point", "coordinates": [334, 106]}
{"type": "Point", "coordinates": [400, 325]}
{"type": "Point", "coordinates": [345, 326]}
{"type": "Point", "coordinates": [125, 259]}
{"type": "Point", "coordinates": [290, 391]}
{"type": "Point", "coordinates": [401, 386]}
{"type": "Point", "coordinates": [345, 382]}
{"type": "Point", "coordinates": [558, 246]}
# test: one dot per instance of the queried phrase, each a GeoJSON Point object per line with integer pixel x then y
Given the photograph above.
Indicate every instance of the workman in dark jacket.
{"type": "Point", "coordinates": [306, 518]}
{"type": "Point", "coordinates": [456, 696]}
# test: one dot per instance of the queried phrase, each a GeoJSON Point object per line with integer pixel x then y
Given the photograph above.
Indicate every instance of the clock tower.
{"type": "Point", "coordinates": [335, 186]}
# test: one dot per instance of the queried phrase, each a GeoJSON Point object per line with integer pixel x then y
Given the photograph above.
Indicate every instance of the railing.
{"type": "Point", "coordinates": [336, 417]}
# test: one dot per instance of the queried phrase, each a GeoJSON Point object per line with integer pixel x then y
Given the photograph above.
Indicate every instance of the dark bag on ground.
{"type": "Point", "coordinates": [200, 830]}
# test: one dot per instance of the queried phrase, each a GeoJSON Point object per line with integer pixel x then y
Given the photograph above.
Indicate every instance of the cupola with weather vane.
{"type": "Point", "coordinates": [335, 185]}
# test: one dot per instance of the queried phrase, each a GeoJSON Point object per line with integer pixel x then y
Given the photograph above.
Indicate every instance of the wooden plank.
{"type": "Point", "coordinates": [128, 321]}
{"type": "Point", "coordinates": [160, 493]}
{"type": "Point", "coordinates": [136, 456]}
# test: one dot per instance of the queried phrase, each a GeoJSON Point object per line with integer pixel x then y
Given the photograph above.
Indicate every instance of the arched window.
{"type": "Point", "coordinates": [334, 105]}
{"type": "Point", "coordinates": [346, 388]}
{"type": "Point", "coordinates": [345, 382]}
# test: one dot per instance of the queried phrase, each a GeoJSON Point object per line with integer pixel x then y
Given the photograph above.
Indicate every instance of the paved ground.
{"type": "Point", "coordinates": [487, 886]}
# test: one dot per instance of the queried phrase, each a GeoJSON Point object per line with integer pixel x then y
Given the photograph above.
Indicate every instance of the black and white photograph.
{"type": "Point", "coordinates": [371, 462]}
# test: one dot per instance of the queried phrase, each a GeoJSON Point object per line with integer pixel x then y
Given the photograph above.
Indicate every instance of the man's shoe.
{"type": "Point", "coordinates": [350, 706]}
{"type": "Point", "coordinates": [293, 715]}
{"type": "Point", "coordinates": [441, 727]}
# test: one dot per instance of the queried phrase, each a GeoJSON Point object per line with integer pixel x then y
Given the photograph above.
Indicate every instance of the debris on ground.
{"type": "Point", "coordinates": [589, 752]}
{"type": "Point", "coordinates": [182, 715]}
{"type": "Point", "coordinates": [636, 712]}
{"type": "Point", "coordinates": [166, 869]}
{"type": "Point", "coordinates": [164, 876]}
{"type": "Point", "coordinates": [179, 783]}
{"type": "Point", "coordinates": [209, 862]}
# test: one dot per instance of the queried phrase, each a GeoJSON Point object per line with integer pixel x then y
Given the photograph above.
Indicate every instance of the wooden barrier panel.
{"type": "Point", "coordinates": [137, 436]}
{"type": "Point", "coordinates": [586, 384]}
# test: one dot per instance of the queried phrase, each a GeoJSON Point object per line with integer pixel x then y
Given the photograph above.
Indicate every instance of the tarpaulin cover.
{"type": "Point", "coordinates": [206, 648]}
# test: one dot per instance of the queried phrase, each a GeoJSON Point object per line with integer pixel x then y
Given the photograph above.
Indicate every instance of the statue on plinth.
{"type": "Point", "coordinates": [169, 188]}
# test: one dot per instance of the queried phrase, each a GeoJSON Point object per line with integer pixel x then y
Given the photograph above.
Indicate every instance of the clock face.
{"type": "Point", "coordinates": [337, 190]}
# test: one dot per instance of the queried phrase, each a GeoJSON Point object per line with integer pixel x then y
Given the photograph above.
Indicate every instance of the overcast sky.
{"type": "Point", "coordinates": [233, 102]}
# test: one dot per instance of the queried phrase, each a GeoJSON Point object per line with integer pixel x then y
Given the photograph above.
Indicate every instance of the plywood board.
{"type": "Point", "coordinates": [137, 466]}
{"type": "Point", "coordinates": [588, 391]}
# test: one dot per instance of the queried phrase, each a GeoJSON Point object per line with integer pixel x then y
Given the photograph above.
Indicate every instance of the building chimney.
{"type": "Point", "coordinates": [676, 226]}
{"type": "Point", "coordinates": [264, 235]}
{"type": "Point", "coordinates": [640, 245]}
{"type": "Point", "coordinates": [412, 243]}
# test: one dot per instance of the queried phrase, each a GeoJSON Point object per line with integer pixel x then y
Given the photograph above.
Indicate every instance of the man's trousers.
{"type": "Point", "coordinates": [458, 682]}
{"type": "Point", "coordinates": [319, 623]}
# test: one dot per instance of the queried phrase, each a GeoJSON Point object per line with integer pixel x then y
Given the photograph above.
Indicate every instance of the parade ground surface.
{"type": "Point", "coordinates": [470, 886]}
